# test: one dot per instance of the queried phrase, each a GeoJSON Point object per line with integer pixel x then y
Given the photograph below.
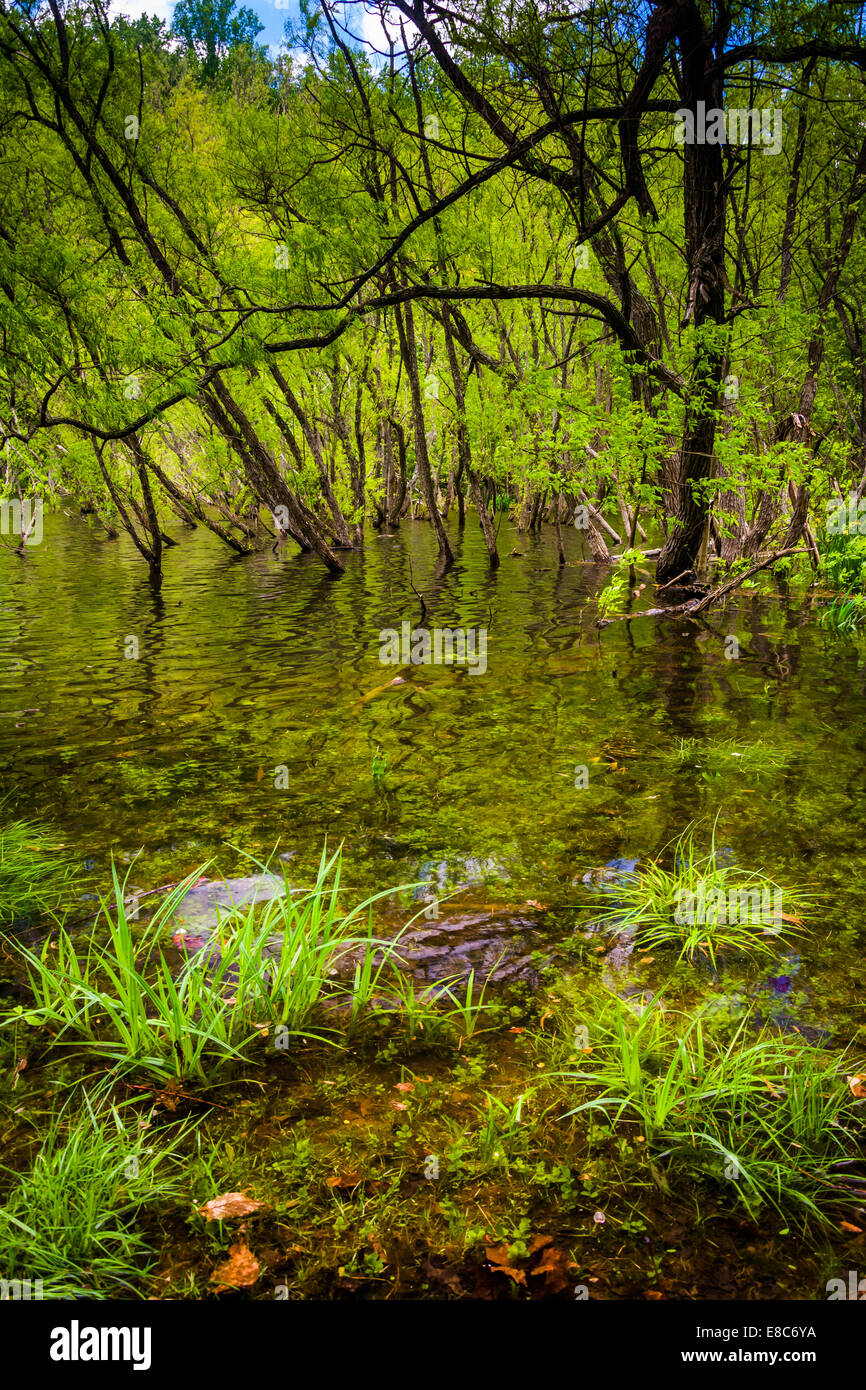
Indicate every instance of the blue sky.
{"type": "Point", "coordinates": [273, 16]}
{"type": "Point", "coordinates": [273, 19]}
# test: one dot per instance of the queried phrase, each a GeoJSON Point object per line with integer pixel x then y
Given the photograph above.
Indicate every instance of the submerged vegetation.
{"type": "Point", "coordinates": [702, 905]}
{"type": "Point", "coordinates": [36, 879]}
{"type": "Point", "coordinates": [563, 1124]}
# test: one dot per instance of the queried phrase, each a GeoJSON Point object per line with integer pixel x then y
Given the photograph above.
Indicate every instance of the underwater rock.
{"type": "Point", "coordinates": [460, 871]}
{"type": "Point", "coordinates": [613, 872]}
{"type": "Point", "coordinates": [199, 909]}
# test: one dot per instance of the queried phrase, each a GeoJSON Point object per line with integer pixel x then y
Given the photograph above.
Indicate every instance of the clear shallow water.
{"type": "Point", "coordinates": [246, 666]}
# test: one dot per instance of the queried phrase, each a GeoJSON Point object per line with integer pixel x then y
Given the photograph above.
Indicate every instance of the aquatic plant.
{"type": "Point", "coordinates": [845, 614]}
{"type": "Point", "coordinates": [715, 758]}
{"type": "Point", "coordinates": [701, 905]}
{"type": "Point", "coordinates": [35, 873]}
{"type": "Point", "coordinates": [612, 598]}
{"type": "Point", "coordinates": [773, 1119]}
{"type": "Point", "coordinates": [379, 770]}
{"type": "Point", "coordinates": [262, 974]}
{"type": "Point", "coordinates": [68, 1219]}
{"type": "Point", "coordinates": [843, 559]}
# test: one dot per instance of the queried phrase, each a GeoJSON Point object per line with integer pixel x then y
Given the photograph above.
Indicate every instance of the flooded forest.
{"type": "Point", "coordinates": [432, 654]}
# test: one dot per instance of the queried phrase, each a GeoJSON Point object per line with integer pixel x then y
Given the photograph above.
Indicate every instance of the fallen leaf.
{"type": "Point", "coordinates": [229, 1205]}
{"type": "Point", "coordinates": [239, 1271]}
{"type": "Point", "coordinates": [344, 1180]}
{"type": "Point", "coordinates": [554, 1267]}
{"type": "Point", "coordinates": [539, 1243]}
{"type": "Point", "coordinates": [498, 1257]}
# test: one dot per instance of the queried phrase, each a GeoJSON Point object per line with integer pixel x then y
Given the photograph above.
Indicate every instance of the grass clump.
{"type": "Point", "coordinates": [69, 1218]}
{"type": "Point", "coordinates": [264, 972]}
{"type": "Point", "coordinates": [846, 613]}
{"type": "Point", "coordinates": [843, 564]}
{"type": "Point", "coordinates": [35, 875]}
{"type": "Point", "coordinates": [843, 559]}
{"type": "Point", "coordinates": [295, 966]}
{"type": "Point", "coordinates": [772, 1119]}
{"type": "Point", "coordinates": [701, 905]}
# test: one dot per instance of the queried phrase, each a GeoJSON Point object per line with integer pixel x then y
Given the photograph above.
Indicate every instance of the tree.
{"type": "Point", "coordinates": [209, 28]}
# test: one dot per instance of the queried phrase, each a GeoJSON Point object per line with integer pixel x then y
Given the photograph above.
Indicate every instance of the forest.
{"type": "Point", "coordinates": [432, 618]}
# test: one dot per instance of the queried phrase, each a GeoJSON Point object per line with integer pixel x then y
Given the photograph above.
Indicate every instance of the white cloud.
{"type": "Point", "coordinates": [381, 28]}
{"type": "Point", "coordinates": [134, 9]}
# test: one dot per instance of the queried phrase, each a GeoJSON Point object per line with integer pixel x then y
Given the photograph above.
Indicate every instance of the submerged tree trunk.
{"type": "Point", "coordinates": [704, 199]}
{"type": "Point", "coordinates": [406, 329]}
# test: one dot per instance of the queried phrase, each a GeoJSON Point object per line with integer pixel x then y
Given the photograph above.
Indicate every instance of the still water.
{"type": "Point", "coordinates": [257, 715]}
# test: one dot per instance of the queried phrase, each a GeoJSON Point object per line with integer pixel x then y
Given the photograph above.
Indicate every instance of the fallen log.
{"type": "Point", "coordinates": [697, 605]}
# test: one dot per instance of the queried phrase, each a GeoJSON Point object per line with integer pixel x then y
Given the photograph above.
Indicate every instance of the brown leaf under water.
{"type": "Point", "coordinates": [500, 1260]}
{"type": "Point", "coordinates": [544, 1271]}
{"type": "Point", "coordinates": [553, 1267]}
{"type": "Point", "coordinates": [230, 1204]}
{"type": "Point", "coordinates": [346, 1182]}
{"type": "Point", "coordinates": [239, 1271]}
{"type": "Point", "coordinates": [503, 1263]}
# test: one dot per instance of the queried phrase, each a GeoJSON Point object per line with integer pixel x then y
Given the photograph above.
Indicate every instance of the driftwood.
{"type": "Point", "coordinates": [697, 605]}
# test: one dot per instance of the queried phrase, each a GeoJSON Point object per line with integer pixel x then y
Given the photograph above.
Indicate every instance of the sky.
{"type": "Point", "coordinates": [272, 14]}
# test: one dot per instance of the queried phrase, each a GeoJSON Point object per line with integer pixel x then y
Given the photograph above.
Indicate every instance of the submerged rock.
{"type": "Point", "coordinates": [498, 945]}
{"type": "Point", "coordinates": [613, 872]}
{"type": "Point", "coordinates": [202, 907]}
{"type": "Point", "coordinates": [459, 871]}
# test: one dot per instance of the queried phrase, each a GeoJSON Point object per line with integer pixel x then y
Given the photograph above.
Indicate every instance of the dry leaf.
{"type": "Point", "coordinates": [343, 1180]}
{"type": "Point", "coordinates": [239, 1271]}
{"type": "Point", "coordinates": [498, 1257]}
{"type": "Point", "coordinates": [229, 1205]}
{"type": "Point", "coordinates": [554, 1265]}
